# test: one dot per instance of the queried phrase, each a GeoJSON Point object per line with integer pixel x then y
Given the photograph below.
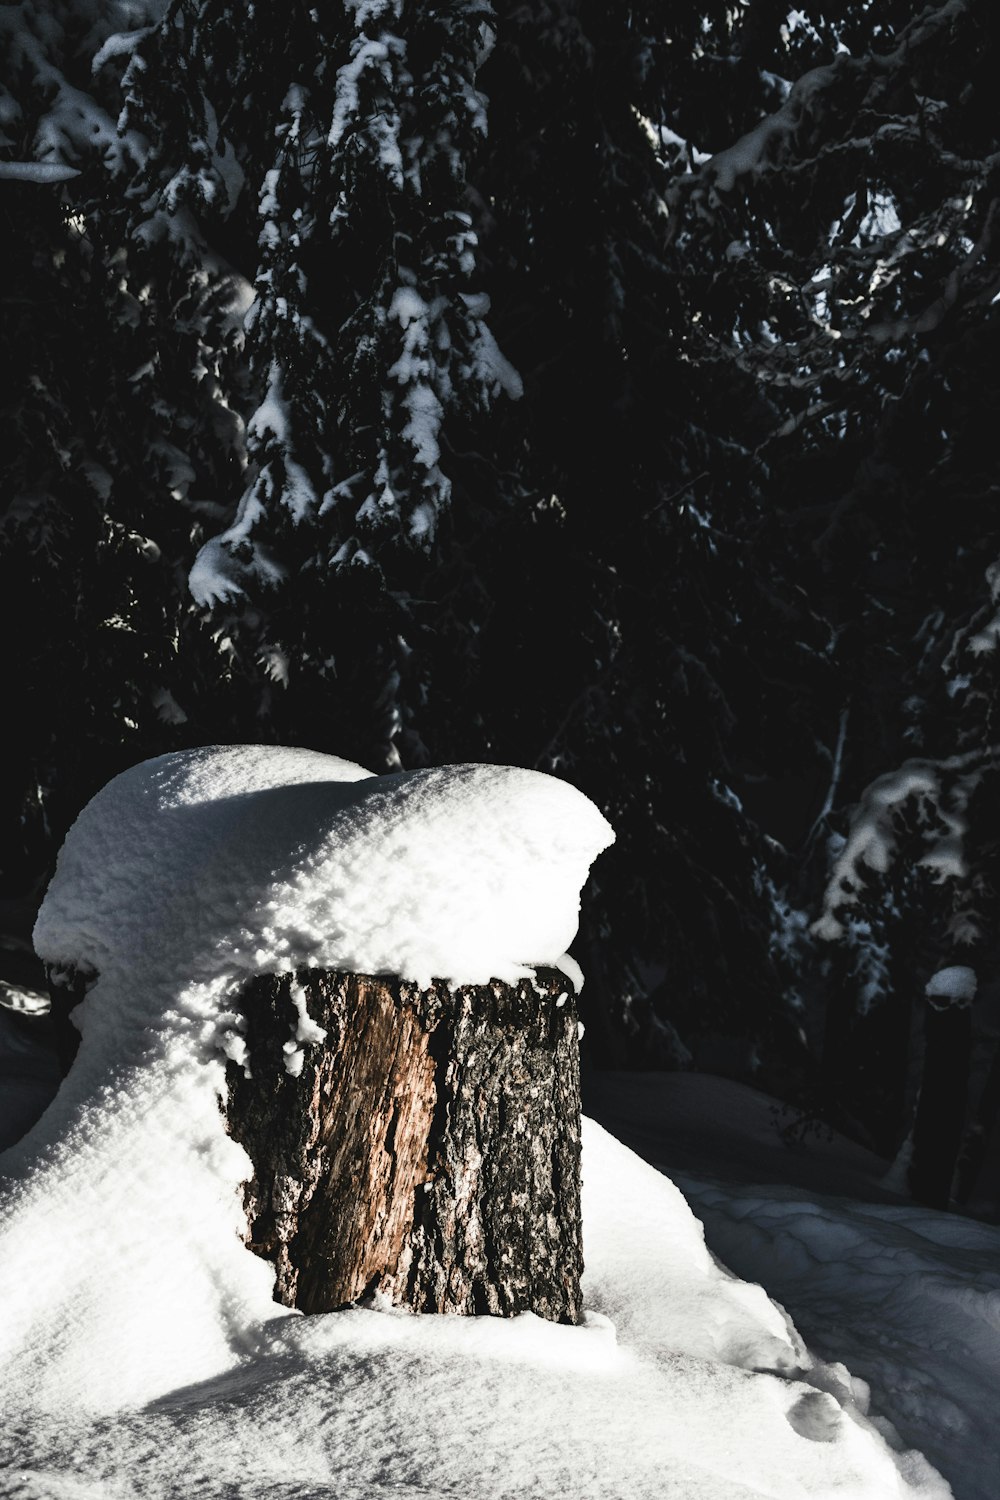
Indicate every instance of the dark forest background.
{"type": "Point", "coordinates": [604, 388]}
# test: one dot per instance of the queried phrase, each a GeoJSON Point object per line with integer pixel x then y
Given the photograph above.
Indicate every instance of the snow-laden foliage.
{"type": "Point", "coordinates": [836, 245]}
{"type": "Point", "coordinates": [54, 119]}
{"type": "Point", "coordinates": [932, 798]}
{"type": "Point", "coordinates": [85, 539]}
{"type": "Point", "coordinates": [368, 327]}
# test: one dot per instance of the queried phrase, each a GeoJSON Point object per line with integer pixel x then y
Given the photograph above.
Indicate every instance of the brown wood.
{"type": "Point", "coordinates": [427, 1152]}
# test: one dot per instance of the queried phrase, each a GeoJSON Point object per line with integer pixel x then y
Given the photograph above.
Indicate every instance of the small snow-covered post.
{"type": "Point", "coordinates": [369, 975]}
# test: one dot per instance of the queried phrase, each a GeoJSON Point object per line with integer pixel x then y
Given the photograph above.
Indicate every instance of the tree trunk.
{"type": "Point", "coordinates": [976, 1149]}
{"type": "Point", "coordinates": [427, 1150]}
{"type": "Point", "coordinates": [941, 1109]}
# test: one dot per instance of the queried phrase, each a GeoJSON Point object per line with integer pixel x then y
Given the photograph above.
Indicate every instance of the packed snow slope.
{"type": "Point", "coordinates": [140, 1351]}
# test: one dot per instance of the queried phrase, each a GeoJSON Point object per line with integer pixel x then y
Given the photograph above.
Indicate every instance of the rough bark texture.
{"type": "Point", "coordinates": [428, 1150]}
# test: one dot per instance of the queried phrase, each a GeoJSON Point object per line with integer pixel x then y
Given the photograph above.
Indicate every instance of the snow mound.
{"type": "Point", "coordinates": [140, 1350]}
{"type": "Point", "coordinates": [262, 858]}
{"type": "Point", "coordinates": [682, 1384]}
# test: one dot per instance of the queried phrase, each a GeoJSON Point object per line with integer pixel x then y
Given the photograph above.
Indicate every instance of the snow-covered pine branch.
{"type": "Point", "coordinates": [928, 799]}
{"type": "Point", "coordinates": [52, 106]}
{"type": "Point", "coordinates": [865, 265]}
{"type": "Point", "coordinates": [368, 328]}
{"type": "Point", "coordinates": [36, 171]}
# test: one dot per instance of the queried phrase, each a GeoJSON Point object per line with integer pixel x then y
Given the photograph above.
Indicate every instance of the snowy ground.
{"type": "Point", "coordinates": [141, 1354]}
{"type": "Point", "coordinates": [906, 1297]}
{"type": "Point", "coordinates": [686, 1384]}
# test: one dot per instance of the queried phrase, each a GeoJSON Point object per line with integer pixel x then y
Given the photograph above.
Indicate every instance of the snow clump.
{"type": "Point", "coordinates": [261, 859]}
{"type": "Point", "coordinates": [955, 985]}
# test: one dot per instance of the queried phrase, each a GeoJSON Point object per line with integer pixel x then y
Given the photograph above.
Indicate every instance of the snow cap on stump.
{"type": "Point", "coordinates": [261, 858]}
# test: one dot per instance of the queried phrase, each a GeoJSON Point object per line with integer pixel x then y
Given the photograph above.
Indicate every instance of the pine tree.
{"type": "Point", "coordinates": [411, 562]}
{"type": "Point", "coordinates": [367, 349]}
{"type": "Point", "coordinates": [66, 567]}
{"type": "Point", "coordinates": [606, 601]}
{"type": "Point", "coordinates": [851, 232]}
{"type": "Point", "coordinates": [613, 398]}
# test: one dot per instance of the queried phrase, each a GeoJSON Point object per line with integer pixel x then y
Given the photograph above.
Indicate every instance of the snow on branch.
{"type": "Point", "coordinates": [70, 121]}
{"type": "Point", "coordinates": [929, 796]}
{"type": "Point", "coordinates": [763, 147]}
{"type": "Point", "coordinates": [955, 985]}
{"type": "Point", "coordinates": [37, 171]}
{"type": "Point", "coordinates": [984, 631]}
{"type": "Point", "coordinates": [347, 452]}
{"type": "Point", "coordinates": [120, 44]}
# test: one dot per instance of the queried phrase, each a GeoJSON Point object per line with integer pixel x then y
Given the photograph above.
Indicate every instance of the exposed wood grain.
{"type": "Point", "coordinates": [428, 1151]}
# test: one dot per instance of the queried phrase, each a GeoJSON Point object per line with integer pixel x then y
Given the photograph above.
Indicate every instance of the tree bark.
{"type": "Point", "coordinates": [943, 1103]}
{"type": "Point", "coordinates": [427, 1150]}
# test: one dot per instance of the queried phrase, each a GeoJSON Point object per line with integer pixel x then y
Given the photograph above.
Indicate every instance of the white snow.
{"type": "Point", "coordinates": [407, 306]}
{"type": "Point", "coordinates": [955, 985]}
{"type": "Point", "coordinates": [119, 44]}
{"type": "Point", "coordinates": [490, 367]}
{"type": "Point", "coordinates": [377, 56]}
{"type": "Point", "coordinates": [218, 862]}
{"type": "Point", "coordinates": [907, 1298]}
{"type": "Point", "coordinates": [423, 424]}
{"type": "Point", "coordinates": [36, 171]}
{"type": "Point", "coordinates": [271, 416]}
{"type": "Point", "coordinates": [919, 1323]}
{"type": "Point", "coordinates": [306, 1030]}
{"type": "Point", "coordinates": [218, 566]}
{"type": "Point", "coordinates": [682, 1383]}
{"type": "Point", "coordinates": [140, 1351]}
{"type": "Point", "coordinates": [986, 637]}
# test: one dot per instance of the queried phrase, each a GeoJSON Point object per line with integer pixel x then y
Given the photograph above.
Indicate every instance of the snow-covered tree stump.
{"type": "Point", "coordinates": [407, 1141]}
{"type": "Point", "coordinates": [418, 1144]}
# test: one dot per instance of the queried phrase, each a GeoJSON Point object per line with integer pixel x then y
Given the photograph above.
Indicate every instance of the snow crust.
{"type": "Point", "coordinates": [140, 1350]}
{"type": "Point", "coordinates": [916, 1296]}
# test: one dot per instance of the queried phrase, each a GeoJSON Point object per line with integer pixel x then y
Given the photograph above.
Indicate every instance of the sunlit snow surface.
{"type": "Point", "coordinates": [141, 1352]}
{"type": "Point", "coordinates": [225, 861]}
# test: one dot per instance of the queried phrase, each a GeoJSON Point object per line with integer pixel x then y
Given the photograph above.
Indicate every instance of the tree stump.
{"type": "Point", "coordinates": [426, 1150]}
